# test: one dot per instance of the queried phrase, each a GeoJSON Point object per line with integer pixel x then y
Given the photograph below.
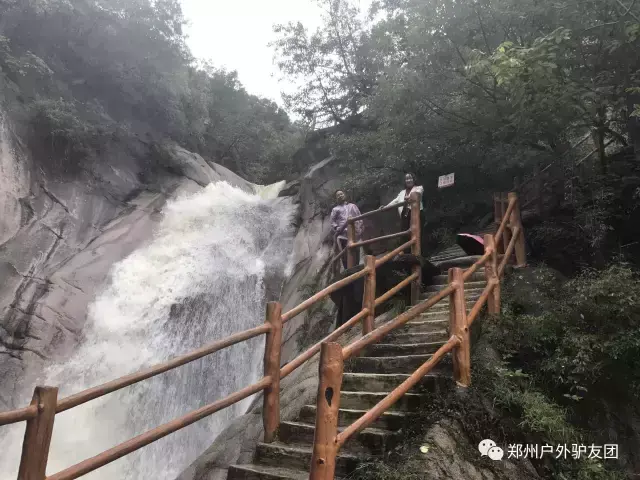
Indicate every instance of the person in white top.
{"type": "Point", "coordinates": [405, 210]}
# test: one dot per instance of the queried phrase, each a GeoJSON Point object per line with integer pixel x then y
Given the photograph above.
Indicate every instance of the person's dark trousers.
{"type": "Point", "coordinates": [405, 224]}
{"type": "Point", "coordinates": [342, 243]}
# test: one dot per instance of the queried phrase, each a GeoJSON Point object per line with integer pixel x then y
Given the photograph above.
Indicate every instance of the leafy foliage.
{"type": "Point", "coordinates": [85, 66]}
{"type": "Point", "coordinates": [587, 346]}
{"type": "Point", "coordinates": [485, 89]}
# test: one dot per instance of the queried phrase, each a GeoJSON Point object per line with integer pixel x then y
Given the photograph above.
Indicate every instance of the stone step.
{"type": "Point", "coordinates": [469, 293]}
{"type": "Point", "coordinates": [393, 349]}
{"type": "Point", "coordinates": [469, 297]}
{"type": "Point", "coordinates": [370, 441]}
{"type": "Point", "coordinates": [476, 276]}
{"type": "Point", "coordinates": [409, 338]}
{"type": "Point", "coordinates": [264, 472]}
{"type": "Point", "coordinates": [467, 286]}
{"type": "Point", "coordinates": [386, 382]}
{"type": "Point", "coordinates": [422, 325]}
{"type": "Point", "coordinates": [297, 457]}
{"type": "Point", "coordinates": [391, 421]}
{"type": "Point", "coordinates": [442, 308]}
{"type": "Point", "coordinates": [367, 400]}
{"type": "Point", "coordinates": [432, 316]}
{"type": "Point", "coordinates": [396, 364]}
{"type": "Point", "coordinates": [461, 262]}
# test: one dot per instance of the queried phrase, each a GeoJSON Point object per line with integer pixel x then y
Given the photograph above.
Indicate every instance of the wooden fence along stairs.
{"type": "Point", "coordinates": [367, 389]}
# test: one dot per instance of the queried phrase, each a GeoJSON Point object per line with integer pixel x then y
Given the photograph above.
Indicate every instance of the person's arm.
{"type": "Point", "coordinates": [398, 199]}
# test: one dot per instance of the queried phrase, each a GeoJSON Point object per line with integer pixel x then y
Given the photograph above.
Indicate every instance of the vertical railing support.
{"type": "Point", "coordinates": [458, 326]}
{"type": "Point", "coordinates": [414, 198]}
{"type": "Point", "coordinates": [37, 436]}
{"type": "Point", "coordinates": [491, 275]}
{"type": "Point", "coordinates": [271, 399]}
{"type": "Point", "coordinates": [351, 239]}
{"type": "Point", "coordinates": [369, 295]}
{"type": "Point", "coordinates": [325, 447]}
{"type": "Point", "coordinates": [516, 221]}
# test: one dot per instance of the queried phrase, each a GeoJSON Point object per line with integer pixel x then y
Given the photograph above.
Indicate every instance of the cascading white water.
{"type": "Point", "coordinates": [201, 278]}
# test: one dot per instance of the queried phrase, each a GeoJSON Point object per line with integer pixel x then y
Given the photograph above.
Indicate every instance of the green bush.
{"type": "Point", "coordinates": [589, 341]}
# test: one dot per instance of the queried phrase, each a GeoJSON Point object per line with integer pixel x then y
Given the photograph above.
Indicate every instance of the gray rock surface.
{"type": "Point", "coordinates": [452, 456]}
{"type": "Point", "coordinates": [60, 236]}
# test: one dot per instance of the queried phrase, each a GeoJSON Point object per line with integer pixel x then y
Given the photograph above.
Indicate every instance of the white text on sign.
{"type": "Point", "coordinates": [446, 180]}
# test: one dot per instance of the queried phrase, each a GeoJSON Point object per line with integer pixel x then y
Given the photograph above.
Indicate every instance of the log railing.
{"type": "Point", "coordinates": [509, 238]}
{"type": "Point", "coordinates": [40, 414]}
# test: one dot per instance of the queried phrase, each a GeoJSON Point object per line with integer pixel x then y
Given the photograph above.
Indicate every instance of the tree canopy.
{"type": "Point", "coordinates": [487, 89]}
{"type": "Point", "coordinates": [87, 69]}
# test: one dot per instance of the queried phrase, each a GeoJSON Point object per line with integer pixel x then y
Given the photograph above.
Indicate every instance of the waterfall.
{"type": "Point", "coordinates": [201, 278]}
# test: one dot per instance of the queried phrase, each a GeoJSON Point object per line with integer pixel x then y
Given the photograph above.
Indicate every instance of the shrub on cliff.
{"type": "Point", "coordinates": [587, 343]}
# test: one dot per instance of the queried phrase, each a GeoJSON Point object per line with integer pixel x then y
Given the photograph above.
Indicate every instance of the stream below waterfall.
{"type": "Point", "coordinates": [201, 278]}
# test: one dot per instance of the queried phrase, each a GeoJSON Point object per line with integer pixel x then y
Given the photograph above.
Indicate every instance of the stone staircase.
{"type": "Point", "coordinates": [368, 378]}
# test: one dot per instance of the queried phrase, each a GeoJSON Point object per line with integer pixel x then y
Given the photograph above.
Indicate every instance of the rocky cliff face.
{"type": "Point", "coordinates": [60, 234]}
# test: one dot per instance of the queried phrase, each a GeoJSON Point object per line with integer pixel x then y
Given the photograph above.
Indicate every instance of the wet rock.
{"type": "Point", "coordinates": [59, 236]}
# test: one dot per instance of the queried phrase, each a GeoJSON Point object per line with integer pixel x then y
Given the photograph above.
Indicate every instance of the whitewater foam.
{"type": "Point", "coordinates": [201, 278]}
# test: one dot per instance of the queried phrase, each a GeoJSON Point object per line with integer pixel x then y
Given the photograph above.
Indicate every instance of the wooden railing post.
{"type": "Point", "coordinates": [414, 198]}
{"type": "Point", "coordinates": [516, 221]}
{"type": "Point", "coordinates": [325, 447]}
{"type": "Point", "coordinates": [351, 239]}
{"type": "Point", "coordinates": [271, 399]}
{"type": "Point", "coordinates": [458, 327]}
{"type": "Point", "coordinates": [491, 274]}
{"type": "Point", "coordinates": [369, 295]}
{"type": "Point", "coordinates": [37, 436]}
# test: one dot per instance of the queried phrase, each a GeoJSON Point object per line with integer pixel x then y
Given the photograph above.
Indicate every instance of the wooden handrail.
{"type": "Point", "coordinates": [479, 263]}
{"type": "Point", "coordinates": [18, 415]}
{"type": "Point", "coordinates": [327, 445]}
{"type": "Point", "coordinates": [101, 390]}
{"type": "Point", "coordinates": [380, 239]}
{"type": "Point", "coordinates": [509, 251]}
{"type": "Point", "coordinates": [353, 348]}
{"type": "Point", "coordinates": [157, 433]}
{"type": "Point", "coordinates": [484, 296]}
{"type": "Point", "coordinates": [310, 352]}
{"type": "Point", "coordinates": [390, 293]}
{"type": "Point", "coordinates": [379, 210]}
{"type": "Point", "coordinates": [373, 414]}
{"type": "Point", "coordinates": [389, 256]}
{"type": "Point", "coordinates": [322, 294]}
{"type": "Point", "coordinates": [40, 414]}
{"type": "Point", "coordinates": [505, 220]}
